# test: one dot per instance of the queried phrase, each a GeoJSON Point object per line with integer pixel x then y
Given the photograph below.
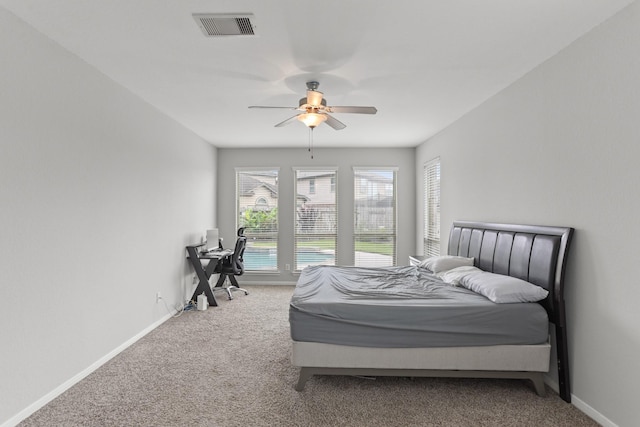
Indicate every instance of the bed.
{"type": "Point", "coordinates": [347, 321]}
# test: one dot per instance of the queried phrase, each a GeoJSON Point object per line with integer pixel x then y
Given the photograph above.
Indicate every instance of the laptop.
{"type": "Point", "coordinates": [212, 240]}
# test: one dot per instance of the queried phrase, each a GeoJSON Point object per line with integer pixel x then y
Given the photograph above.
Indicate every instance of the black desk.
{"type": "Point", "coordinates": [204, 273]}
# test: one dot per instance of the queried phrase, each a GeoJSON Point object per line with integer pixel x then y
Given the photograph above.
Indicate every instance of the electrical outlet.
{"type": "Point", "coordinates": [158, 297]}
{"type": "Point", "coordinates": [194, 280]}
{"type": "Point", "coordinates": [287, 267]}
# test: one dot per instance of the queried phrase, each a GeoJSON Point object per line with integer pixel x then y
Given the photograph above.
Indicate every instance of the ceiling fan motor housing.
{"type": "Point", "coordinates": [313, 85]}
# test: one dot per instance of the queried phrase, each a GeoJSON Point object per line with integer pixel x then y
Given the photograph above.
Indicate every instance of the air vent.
{"type": "Point", "coordinates": [226, 24]}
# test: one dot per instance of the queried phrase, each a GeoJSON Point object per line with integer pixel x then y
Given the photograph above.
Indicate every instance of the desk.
{"type": "Point", "coordinates": [204, 273]}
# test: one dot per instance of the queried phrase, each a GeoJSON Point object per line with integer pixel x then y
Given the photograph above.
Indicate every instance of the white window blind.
{"type": "Point", "coordinates": [257, 210]}
{"type": "Point", "coordinates": [374, 242]}
{"type": "Point", "coordinates": [316, 227]}
{"type": "Point", "coordinates": [432, 207]}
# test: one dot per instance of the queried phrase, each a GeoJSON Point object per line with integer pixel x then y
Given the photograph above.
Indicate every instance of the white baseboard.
{"type": "Point", "coordinates": [26, 412]}
{"type": "Point", "coordinates": [580, 404]}
{"type": "Point", "coordinates": [595, 415]}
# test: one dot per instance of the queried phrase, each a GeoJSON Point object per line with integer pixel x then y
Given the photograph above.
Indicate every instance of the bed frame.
{"type": "Point", "coordinates": [537, 254]}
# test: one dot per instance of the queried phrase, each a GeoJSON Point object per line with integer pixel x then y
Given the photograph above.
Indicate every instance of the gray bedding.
{"type": "Point", "coordinates": [404, 307]}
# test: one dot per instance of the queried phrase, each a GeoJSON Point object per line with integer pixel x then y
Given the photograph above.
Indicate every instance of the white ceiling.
{"type": "Point", "coordinates": [422, 63]}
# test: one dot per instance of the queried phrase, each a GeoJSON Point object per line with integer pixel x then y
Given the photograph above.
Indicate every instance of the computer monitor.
{"type": "Point", "coordinates": [212, 239]}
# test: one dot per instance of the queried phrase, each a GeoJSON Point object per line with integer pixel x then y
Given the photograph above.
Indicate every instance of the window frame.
{"type": "Point", "coordinates": [252, 237]}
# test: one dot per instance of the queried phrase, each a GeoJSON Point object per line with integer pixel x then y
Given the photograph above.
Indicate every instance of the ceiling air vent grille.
{"type": "Point", "coordinates": [225, 24]}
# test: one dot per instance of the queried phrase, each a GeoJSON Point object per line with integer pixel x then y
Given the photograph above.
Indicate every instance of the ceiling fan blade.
{"type": "Point", "coordinates": [335, 123]}
{"type": "Point", "coordinates": [286, 122]}
{"type": "Point", "coordinates": [358, 110]}
{"type": "Point", "coordinates": [314, 97]}
{"type": "Point", "coordinates": [263, 106]}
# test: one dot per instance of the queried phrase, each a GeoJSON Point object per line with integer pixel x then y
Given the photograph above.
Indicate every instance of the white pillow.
{"type": "Point", "coordinates": [454, 275]}
{"type": "Point", "coordinates": [503, 289]}
{"type": "Point", "coordinates": [445, 262]}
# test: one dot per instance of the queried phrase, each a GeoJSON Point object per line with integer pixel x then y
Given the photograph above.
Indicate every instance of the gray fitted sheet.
{"type": "Point", "coordinates": [404, 307]}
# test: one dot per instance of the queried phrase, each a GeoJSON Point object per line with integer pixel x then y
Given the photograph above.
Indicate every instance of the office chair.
{"type": "Point", "coordinates": [233, 266]}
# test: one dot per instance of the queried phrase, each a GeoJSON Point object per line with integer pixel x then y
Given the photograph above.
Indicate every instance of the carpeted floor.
{"type": "Point", "coordinates": [229, 366]}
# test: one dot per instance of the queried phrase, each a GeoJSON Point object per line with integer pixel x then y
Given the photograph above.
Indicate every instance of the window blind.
{"type": "Point", "coordinates": [432, 207]}
{"type": "Point", "coordinates": [316, 217]}
{"type": "Point", "coordinates": [257, 210]}
{"type": "Point", "coordinates": [374, 243]}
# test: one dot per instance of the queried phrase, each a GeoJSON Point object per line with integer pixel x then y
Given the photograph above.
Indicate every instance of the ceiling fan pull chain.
{"type": "Point", "coordinates": [311, 141]}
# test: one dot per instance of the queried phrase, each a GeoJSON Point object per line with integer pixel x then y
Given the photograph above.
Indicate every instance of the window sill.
{"type": "Point", "coordinates": [261, 272]}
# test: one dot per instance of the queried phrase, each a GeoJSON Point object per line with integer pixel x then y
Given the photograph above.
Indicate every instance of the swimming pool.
{"type": "Point", "coordinates": [266, 258]}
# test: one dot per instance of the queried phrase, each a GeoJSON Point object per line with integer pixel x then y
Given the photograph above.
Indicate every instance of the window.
{"type": "Point", "coordinates": [316, 227]}
{"type": "Point", "coordinates": [262, 203]}
{"type": "Point", "coordinates": [374, 243]}
{"type": "Point", "coordinates": [432, 207]}
{"type": "Point", "coordinates": [257, 210]}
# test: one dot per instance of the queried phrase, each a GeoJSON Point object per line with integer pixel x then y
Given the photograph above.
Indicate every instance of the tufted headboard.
{"type": "Point", "coordinates": [537, 254]}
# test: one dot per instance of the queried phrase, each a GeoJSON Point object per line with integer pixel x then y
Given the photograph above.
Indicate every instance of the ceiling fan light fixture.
{"type": "Point", "coordinates": [312, 119]}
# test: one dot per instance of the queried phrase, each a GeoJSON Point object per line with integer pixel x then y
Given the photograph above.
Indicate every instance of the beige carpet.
{"type": "Point", "coordinates": [229, 366]}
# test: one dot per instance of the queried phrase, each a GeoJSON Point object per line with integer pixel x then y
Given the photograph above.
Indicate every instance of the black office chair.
{"type": "Point", "coordinates": [233, 266]}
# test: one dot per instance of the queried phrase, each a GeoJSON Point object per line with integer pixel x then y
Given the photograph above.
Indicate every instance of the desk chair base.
{"type": "Point", "coordinates": [229, 289]}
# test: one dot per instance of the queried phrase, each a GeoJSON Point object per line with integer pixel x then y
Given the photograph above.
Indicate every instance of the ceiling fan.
{"type": "Point", "coordinates": [314, 110]}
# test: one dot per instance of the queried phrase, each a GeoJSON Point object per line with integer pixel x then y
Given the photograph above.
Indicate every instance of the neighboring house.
{"type": "Point", "coordinates": [318, 188]}
{"type": "Point", "coordinates": [374, 200]}
{"type": "Point", "coordinates": [316, 202]}
{"type": "Point", "coordinates": [257, 191]}
{"type": "Point", "coordinates": [376, 186]}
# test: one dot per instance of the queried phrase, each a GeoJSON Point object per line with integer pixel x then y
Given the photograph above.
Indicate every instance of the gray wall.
{"type": "Point", "coordinates": [100, 193]}
{"type": "Point", "coordinates": [561, 147]}
{"type": "Point", "coordinates": [342, 158]}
